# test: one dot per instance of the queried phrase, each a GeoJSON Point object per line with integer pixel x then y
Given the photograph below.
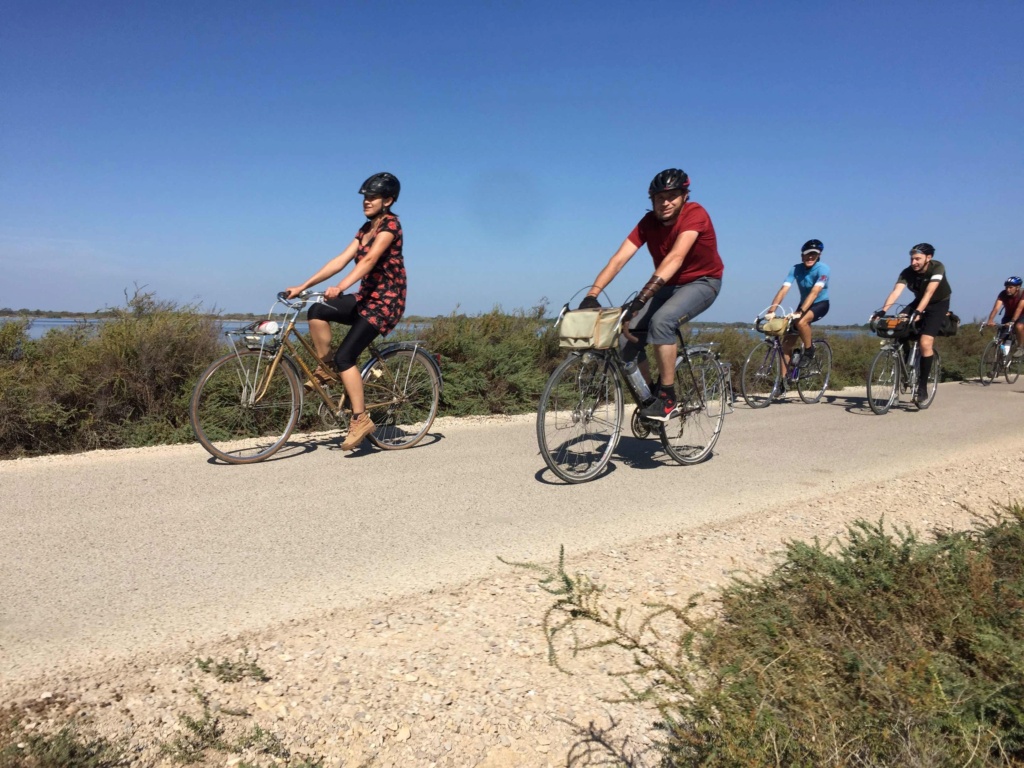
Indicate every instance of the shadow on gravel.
{"type": "Point", "coordinates": [598, 745]}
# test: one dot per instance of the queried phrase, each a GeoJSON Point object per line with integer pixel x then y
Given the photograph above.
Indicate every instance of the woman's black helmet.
{"type": "Point", "coordinates": [670, 178]}
{"type": "Point", "coordinates": [815, 246]}
{"type": "Point", "coordinates": [924, 248]}
{"type": "Point", "coordinates": [381, 185]}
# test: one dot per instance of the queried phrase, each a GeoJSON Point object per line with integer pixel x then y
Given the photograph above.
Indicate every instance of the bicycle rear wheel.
{"type": "Point", "coordinates": [402, 400]}
{"type": "Point", "coordinates": [883, 381]}
{"type": "Point", "coordinates": [579, 419]}
{"type": "Point", "coordinates": [814, 373]}
{"type": "Point", "coordinates": [690, 436]}
{"type": "Point", "coordinates": [761, 375]}
{"type": "Point", "coordinates": [991, 361]}
{"type": "Point", "coordinates": [1013, 366]}
{"type": "Point", "coordinates": [244, 406]}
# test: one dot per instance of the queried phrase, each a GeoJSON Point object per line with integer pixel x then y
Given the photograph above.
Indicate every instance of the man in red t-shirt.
{"type": "Point", "coordinates": [1009, 300]}
{"type": "Point", "coordinates": [687, 278]}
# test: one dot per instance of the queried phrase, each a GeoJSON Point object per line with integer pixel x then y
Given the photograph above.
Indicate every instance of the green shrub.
{"type": "Point", "coordinates": [883, 650]}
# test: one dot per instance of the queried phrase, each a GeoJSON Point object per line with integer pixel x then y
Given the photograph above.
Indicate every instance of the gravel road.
{"type": "Point", "coordinates": [369, 587]}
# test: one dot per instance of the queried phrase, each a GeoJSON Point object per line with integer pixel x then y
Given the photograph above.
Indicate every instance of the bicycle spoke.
{"type": "Point", "coordinates": [690, 436]}
{"type": "Point", "coordinates": [244, 408]}
{"type": "Point", "coordinates": [579, 418]}
{"type": "Point", "coordinates": [883, 381]}
{"type": "Point", "coordinates": [402, 396]}
{"type": "Point", "coordinates": [815, 372]}
{"type": "Point", "coordinates": [761, 375]}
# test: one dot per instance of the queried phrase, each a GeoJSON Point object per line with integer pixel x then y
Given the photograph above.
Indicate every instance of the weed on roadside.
{"type": "Point", "coordinates": [227, 671]}
{"type": "Point", "coordinates": [881, 649]}
{"type": "Point", "coordinates": [67, 748]}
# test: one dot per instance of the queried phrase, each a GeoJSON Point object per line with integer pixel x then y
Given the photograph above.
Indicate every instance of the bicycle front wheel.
{"type": "Point", "coordinates": [883, 381]}
{"type": "Point", "coordinates": [933, 376]}
{"type": "Point", "coordinates": [1013, 366]}
{"type": "Point", "coordinates": [579, 419]}
{"type": "Point", "coordinates": [990, 362]}
{"type": "Point", "coordinates": [690, 436]}
{"type": "Point", "coordinates": [761, 375]}
{"type": "Point", "coordinates": [402, 395]}
{"type": "Point", "coordinates": [245, 406]}
{"type": "Point", "coordinates": [814, 373]}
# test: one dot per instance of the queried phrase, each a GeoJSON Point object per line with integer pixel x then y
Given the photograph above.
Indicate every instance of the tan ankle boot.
{"type": "Point", "coordinates": [358, 429]}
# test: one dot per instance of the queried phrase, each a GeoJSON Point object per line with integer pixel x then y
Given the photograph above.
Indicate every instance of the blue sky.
{"type": "Point", "coordinates": [212, 151]}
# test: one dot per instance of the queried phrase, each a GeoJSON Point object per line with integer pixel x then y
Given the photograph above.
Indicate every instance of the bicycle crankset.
{"type": "Point", "coordinates": [641, 427]}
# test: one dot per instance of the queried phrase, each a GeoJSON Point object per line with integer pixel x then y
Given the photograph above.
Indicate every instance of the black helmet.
{"type": "Point", "coordinates": [670, 178]}
{"type": "Point", "coordinates": [381, 185]}
{"type": "Point", "coordinates": [923, 248]}
{"type": "Point", "coordinates": [1012, 281]}
{"type": "Point", "coordinates": [812, 245]}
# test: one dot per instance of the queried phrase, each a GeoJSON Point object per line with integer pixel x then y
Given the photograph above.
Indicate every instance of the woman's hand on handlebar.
{"type": "Point", "coordinates": [333, 292]}
{"type": "Point", "coordinates": [291, 293]}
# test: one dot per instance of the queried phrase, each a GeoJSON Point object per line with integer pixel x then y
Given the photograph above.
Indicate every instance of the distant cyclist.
{"type": "Point", "coordinates": [811, 277]}
{"type": "Point", "coordinates": [1009, 299]}
{"type": "Point", "coordinates": [687, 278]}
{"type": "Point", "coordinates": [926, 278]}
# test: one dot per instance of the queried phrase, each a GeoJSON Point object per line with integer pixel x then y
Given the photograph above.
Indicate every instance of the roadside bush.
{"type": "Point", "coordinates": [495, 362]}
{"type": "Point", "coordinates": [125, 382]}
{"type": "Point", "coordinates": [881, 650]}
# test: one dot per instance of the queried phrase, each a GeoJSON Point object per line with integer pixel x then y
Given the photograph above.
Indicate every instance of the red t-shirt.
{"type": "Point", "coordinates": [702, 260]}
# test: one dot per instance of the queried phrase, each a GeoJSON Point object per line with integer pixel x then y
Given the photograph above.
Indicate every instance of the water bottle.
{"type": "Point", "coordinates": [794, 359]}
{"type": "Point", "coordinates": [1005, 347]}
{"type": "Point", "coordinates": [634, 374]}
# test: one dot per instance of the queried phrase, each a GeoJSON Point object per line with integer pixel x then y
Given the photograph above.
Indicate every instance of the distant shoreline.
{"type": "Point", "coordinates": [38, 314]}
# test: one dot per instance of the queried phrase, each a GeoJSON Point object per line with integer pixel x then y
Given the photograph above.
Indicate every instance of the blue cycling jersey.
{"type": "Point", "coordinates": [806, 279]}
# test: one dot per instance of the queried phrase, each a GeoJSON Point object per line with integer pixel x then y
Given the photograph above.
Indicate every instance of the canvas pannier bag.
{"type": "Point", "coordinates": [774, 327]}
{"type": "Point", "coordinates": [950, 325]}
{"type": "Point", "coordinates": [588, 328]}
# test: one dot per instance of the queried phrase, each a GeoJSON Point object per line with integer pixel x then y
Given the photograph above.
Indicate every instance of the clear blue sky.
{"type": "Point", "coordinates": [212, 151]}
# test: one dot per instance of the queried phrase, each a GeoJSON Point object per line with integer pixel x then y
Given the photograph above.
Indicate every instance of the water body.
{"type": "Point", "coordinates": [40, 326]}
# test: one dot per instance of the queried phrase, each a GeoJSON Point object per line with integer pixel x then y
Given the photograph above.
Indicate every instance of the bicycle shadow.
{"type": "Point", "coordinates": [631, 452]}
{"type": "Point", "coordinates": [367, 448]}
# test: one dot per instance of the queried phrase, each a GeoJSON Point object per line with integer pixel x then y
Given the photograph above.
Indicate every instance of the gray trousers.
{"type": "Point", "coordinates": [674, 304]}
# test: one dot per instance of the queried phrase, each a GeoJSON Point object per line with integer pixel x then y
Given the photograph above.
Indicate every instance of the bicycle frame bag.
{"type": "Point", "coordinates": [893, 327]}
{"type": "Point", "coordinates": [774, 327]}
{"type": "Point", "coordinates": [589, 328]}
{"type": "Point", "coordinates": [950, 325]}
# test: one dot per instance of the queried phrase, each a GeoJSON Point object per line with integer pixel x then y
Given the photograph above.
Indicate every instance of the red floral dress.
{"type": "Point", "coordinates": [381, 297]}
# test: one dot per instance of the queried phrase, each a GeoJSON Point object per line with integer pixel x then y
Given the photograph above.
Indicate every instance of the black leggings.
{"type": "Point", "coordinates": [343, 310]}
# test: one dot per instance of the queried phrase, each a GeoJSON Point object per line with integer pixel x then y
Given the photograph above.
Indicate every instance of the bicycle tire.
{"type": "Point", "coordinates": [814, 374]}
{"type": "Point", "coordinates": [762, 373]}
{"type": "Point", "coordinates": [990, 362]}
{"type": "Point", "coordinates": [579, 418]}
{"type": "Point", "coordinates": [1013, 366]}
{"type": "Point", "coordinates": [411, 393]}
{"type": "Point", "coordinates": [883, 381]}
{"type": "Point", "coordinates": [229, 416]}
{"type": "Point", "coordinates": [690, 436]}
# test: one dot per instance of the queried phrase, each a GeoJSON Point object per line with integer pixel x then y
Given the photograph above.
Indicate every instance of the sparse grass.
{"type": "Point", "coordinates": [228, 671]}
{"type": "Point", "coordinates": [67, 748]}
{"type": "Point", "coordinates": [879, 650]}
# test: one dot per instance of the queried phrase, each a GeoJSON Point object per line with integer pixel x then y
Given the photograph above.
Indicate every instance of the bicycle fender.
{"type": "Point", "coordinates": [413, 346]}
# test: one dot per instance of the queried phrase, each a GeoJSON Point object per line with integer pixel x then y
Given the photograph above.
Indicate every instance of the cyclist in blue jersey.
{"type": "Point", "coordinates": [811, 277]}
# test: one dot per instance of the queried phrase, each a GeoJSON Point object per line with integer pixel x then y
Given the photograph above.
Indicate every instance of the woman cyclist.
{"type": "Point", "coordinates": [373, 311]}
{"type": "Point", "coordinates": [1009, 300]}
{"type": "Point", "coordinates": [811, 277]}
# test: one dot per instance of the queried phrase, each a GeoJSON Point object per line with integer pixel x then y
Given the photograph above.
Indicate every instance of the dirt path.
{"type": "Point", "coordinates": [442, 670]}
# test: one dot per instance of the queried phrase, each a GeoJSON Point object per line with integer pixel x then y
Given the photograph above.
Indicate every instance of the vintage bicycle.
{"type": "Point", "coordinates": [895, 369]}
{"type": "Point", "coordinates": [581, 411]}
{"type": "Point", "coordinates": [763, 379]}
{"type": "Point", "coordinates": [998, 356]}
{"type": "Point", "coordinates": [246, 404]}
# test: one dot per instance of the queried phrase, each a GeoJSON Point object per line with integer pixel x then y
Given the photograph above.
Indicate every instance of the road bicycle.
{"type": "Point", "coordinates": [763, 379]}
{"type": "Point", "coordinates": [897, 366]}
{"type": "Point", "coordinates": [247, 403]}
{"type": "Point", "coordinates": [581, 411]}
{"type": "Point", "coordinates": [998, 357]}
